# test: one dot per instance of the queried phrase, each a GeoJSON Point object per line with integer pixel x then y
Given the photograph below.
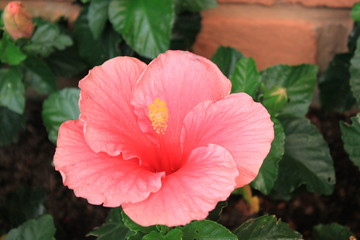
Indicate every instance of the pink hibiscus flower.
{"type": "Point", "coordinates": [165, 141]}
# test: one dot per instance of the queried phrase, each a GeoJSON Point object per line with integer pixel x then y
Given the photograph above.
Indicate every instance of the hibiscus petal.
{"type": "Point", "coordinates": [236, 123]}
{"type": "Point", "coordinates": [190, 193]}
{"type": "Point", "coordinates": [111, 124]}
{"type": "Point", "coordinates": [98, 177]}
{"type": "Point", "coordinates": [181, 80]}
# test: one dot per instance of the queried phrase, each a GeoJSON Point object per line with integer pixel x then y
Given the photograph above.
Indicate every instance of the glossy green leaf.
{"type": "Point", "coordinates": [58, 108]}
{"type": "Point", "coordinates": [9, 52]}
{"type": "Point", "coordinates": [351, 139]}
{"type": "Point", "coordinates": [306, 160]}
{"type": "Point", "coordinates": [335, 93]}
{"type": "Point", "coordinates": [206, 229]}
{"type": "Point", "coordinates": [95, 52]}
{"type": "Point", "coordinates": [42, 228]}
{"type": "Point", "coordinates": [226, 58]}
{"type": "Point", "coordinates": [268, 173]}
{"type": "Point", "coordinates": [12, 90]}
{"type": "Point", "coordinates": [197, 5]}
{"type": "Point", "coordinates": [266, 228]}
{"type": "Point", "coordinates": [97, 16]}
{"type": "Point", "coordinates": [355, 73]}
{"type": "Point", "coordinates": [46, 39]}
{"type": "Point", "coordinates": [134, 226]}
{"type": "Point", "coordinates": [174, 234]}
{"type": "Point", "coordinates": [245, 77]}
{"type": "Point", "coordinates": [355, 12]}
{"type": "Point", "coordinates": [299, 82]}
{"type": "Point", "coordinates": [66, 63]}
{"type": "Point", "coordinates": [39, 76]}
{"type": "Point", "coordinates": [113, 228]}
{"type": "Point", "coordinates": [11, 124]}
{"type": "Point", "coordinates": [332, 231]}
{"type": "Point", "coordinates": [139, 22]}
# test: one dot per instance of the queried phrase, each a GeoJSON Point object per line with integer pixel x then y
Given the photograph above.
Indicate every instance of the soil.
{"type": "Point", "coordinates": [29, 163]}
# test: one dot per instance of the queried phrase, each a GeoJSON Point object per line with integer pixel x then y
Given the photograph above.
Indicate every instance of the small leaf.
{"type": "Point", "coordinates": [335, 93]}
{"type": "Point", "coordinates": [9, 52]}
{"type": "Point", "coordinates": [113, 228]}
{"type": "Point", "coordinates": [351, 139]}
{"type": "Point", "coordinates": [36, 229]}
{"type": "Point", "coordinates": [46, 39]}
{"type": "Point", "coordinates": [275, 99]}
{"type": "Point", "coordinates": [139, 23]}
{"type": "Point", "coordinates": [97, 16]}
{"type": "Point", "coordinates": [95, 52]}
{"type": "Point", "coordinates": [11, 124]}
{"type": "Point", "coordinates": [355, 73]}
{"type": "Point", "coordinates": [58, 108]}
{"type": "Point", "coordinates": [39, 76]}
{"type": "Point", "coordinates": [245, 77]}
{"type": "Point", "coordinates": [266, 228]}
{"type": "Point", "coordinates": [306, 160]}
{"type": "Point", "coordinates": [206, 229]}
{"type": "Point", "coordinates": [66, 63]}
{"type": "Point", "coordinates": [355, 12]}
{"type": "Point", "coordinates": [174, 234]}
{"type": "Point", "coordinates": [214, 215]}
{"type": "Point", "coordinates": [12, 90]}
{"type": "Point", "coordinates": [226, 58]}
{"type": "Point", "coordinates": [268, 173]}
{"type": "Point", "coordinates": [332, 231]}
{"type": "Point", "coordinates": [197, 5]}
{"type": "Point", "coordinates": [299, 82]}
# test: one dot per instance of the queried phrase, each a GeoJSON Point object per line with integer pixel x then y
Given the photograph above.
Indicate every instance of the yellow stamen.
{"type": "Point", "coordinates": [159, 115]}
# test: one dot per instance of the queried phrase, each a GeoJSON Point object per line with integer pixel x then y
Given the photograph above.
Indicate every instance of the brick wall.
{"type": "Point", "coordinates": [278, 31]}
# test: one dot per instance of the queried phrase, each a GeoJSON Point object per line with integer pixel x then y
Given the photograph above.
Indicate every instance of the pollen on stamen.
{"type": "Point", "coordinates": [158, 115]}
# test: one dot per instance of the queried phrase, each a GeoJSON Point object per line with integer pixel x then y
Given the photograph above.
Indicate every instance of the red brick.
{"type": "Point", "coordinates": [264, 2]}
{"type": "Point", "coordinates": [280, 34]}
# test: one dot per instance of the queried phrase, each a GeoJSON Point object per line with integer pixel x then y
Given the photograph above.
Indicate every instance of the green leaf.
{"type": "Point", "coordinates": [335, 93]}
{"type": "Point", "coordinates": [11, 124]}
{"type": "Point", "coordinates": [299, 82]}
{"type": "Point", "coordinates": [198, 5]}
{"type": "Point", "coordinates": [332, 231]}
{"type": "Point", "coordinates": [174, 234]}
{"type": "Point", "coordinates": [66, 63]}
{"type": "Point", "coordinates": [275, 99]}
{"type": "Point", "coordinates": [24, 204]}
{"type": "Point", "coordinates": [36, 229]}
{"type": "Point", "coordinates": [306, 160]}
{"type": "Point", "coordinates": [39, 76]}
{"type": "Point", "coordinates": [9, 52]}
{"type": "Point", "coordinates": [226, 58]}
{"type": "Point", "coordinates": [268, 173]}
{"type": "Point", "coordinates": [134, 226]}
{"type": "Point", "coordinates": [97, 16]}
{"type": "Point", "coordinates": [355, 12]}
{"type": "Point", "coordinates": [46, 39]}
{"type": "Point", "coordinates": [95, 52]}
{"type": "Point", "coordinates": [351, 138]}
{"type": "Point", "coordinates": [355, 73]}
{"type": "Point", "coordinates": [214, 215]}
{"type": "Point", "coordinates": [113, 228]}
{"type": "Point", "coordinates": [12, 90]}
{"type": "Point", "coordinates": [139, 22]}
{"type": "Point", "coordinates": [245, 77]}
{"type": "Point", "coordinates": [58, 108]}
{"type": "Point", "coordinates": [206, 229]}
{"type": "Point", "coordinates": [266, 228]}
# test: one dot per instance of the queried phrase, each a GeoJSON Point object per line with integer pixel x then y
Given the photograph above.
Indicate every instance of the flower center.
{"type": "Point", "coordinates": [159, 115]}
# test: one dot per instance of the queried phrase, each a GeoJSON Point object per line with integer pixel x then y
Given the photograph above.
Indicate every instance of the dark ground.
{"type": "Point", "coordinates": [28, 163]}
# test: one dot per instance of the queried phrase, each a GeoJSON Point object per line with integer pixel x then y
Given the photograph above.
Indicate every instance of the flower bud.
{"type": "Point", "coordinates": [17, 21]}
